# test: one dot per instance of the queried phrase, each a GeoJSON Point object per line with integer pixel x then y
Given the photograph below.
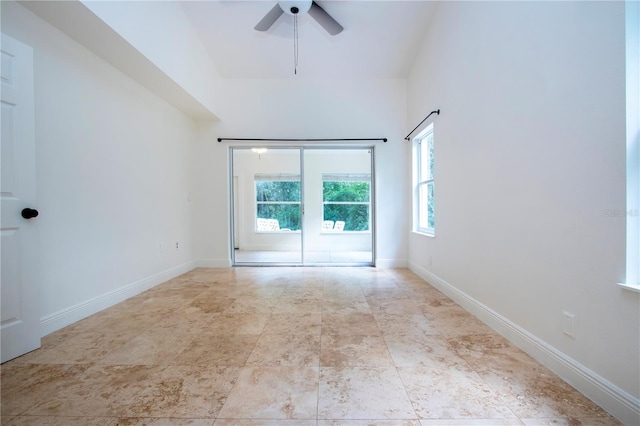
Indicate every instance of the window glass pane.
{"type": "Point", "coordinates": [354, 216]}
{"type": "Point", "coordinates": [423, 160]}
{"type": "Point", "coordinates": [277, 190]}
{"type": "Point", "coordinates": [423, 207]}
{"type": "Point", "coordinates": [345, 191]}
{"type": "Point", "coordinates": [430, 206]}
{"type": "Point", "coordinates": [430, 154]}
{"type": "Point", "coordinates": [426, 207]}
{"type": "Point", "coordinates": [347, 201]}
{"type": "Point", "coordinates": [426, 158]}
{"type": "Point", "coordinates": [287, 215]}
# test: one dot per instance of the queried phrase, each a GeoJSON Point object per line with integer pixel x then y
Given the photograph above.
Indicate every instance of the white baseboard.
{"type": "Point", "coordinates": [65, 317]}
{"type": "Point", "coordinates": [213, 263]}
{"type": "Point", "coordinates": [391, 263]}
{"type": "Point", "coordinates": [621, 404]}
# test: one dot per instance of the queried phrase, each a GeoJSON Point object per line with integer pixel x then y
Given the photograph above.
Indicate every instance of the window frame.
{"type": "Point", "coordinates": [632, 30]}
{"type": "Point", "coordinates": [274, 177]}
{"type": "Point", "coordinates": [348, 177]}
{"type": "Point", "coordinates": [424, 177]}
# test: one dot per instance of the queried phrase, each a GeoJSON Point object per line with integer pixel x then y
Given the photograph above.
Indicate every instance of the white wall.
{"type": "Point", "coordinates": [305, 108]}
{"type": "Point", "coordinates": [161, 31]}
{"type": "Point", "coordinates": [112, 177]}
{"type": "Point", "coordinates": [530, 157]}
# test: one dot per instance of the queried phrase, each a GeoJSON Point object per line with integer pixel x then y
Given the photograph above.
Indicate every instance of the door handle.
{"type": "Point", "coordinates": [29, 213]}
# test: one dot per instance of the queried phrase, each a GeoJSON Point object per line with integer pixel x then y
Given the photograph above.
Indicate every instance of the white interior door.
{"type": "Point", "coordinates": [20, 322]}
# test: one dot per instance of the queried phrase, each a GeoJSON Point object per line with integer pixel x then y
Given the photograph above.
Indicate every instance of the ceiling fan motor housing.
{"type": "Point", "coordinates": [295, 7]}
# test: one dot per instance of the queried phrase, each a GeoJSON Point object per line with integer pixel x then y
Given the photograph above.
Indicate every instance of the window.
{"type": "Point", "coordinates": [424, 182]}
{"type": "Point", "coordinates": [277, 202]}
{"type": "Point", "coordinates": [346, 199]}
{"type": "Point", "coordinates": [632, 280]}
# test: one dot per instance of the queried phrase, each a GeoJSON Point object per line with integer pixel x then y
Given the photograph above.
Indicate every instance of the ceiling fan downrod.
{"type": "Point", "coordinates": [295, 11]}
{"type": "Point", "coordinates": [295, 8]}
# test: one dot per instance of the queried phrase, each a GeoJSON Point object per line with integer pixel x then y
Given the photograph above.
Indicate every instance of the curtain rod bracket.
{"type": "Point", "coordinates": [425, 119]}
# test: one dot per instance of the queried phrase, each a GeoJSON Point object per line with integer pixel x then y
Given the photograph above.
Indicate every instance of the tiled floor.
{"type": "Point", "coordinates": [286, 346]}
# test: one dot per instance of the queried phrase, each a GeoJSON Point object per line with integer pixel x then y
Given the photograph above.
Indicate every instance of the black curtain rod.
{"type": "Point", "coordinates": [302, 140]}
{"type": "Point", "coordinates": [425, 119]}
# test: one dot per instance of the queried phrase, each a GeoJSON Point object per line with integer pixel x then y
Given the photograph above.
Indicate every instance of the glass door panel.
{"type": "Point", "coordinates": [267, 205]}
{"type": "Point", "coordinates": [338, 199]}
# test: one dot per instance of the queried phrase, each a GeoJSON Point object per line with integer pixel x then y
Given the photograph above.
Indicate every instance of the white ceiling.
{"type": "Point", "coordinates": [378, 41]}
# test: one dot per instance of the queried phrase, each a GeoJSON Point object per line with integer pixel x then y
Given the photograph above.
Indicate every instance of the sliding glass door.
{"type": "Point", "coordinates": [302, 206]}
{"type": "Point", "coordinates": [267, 216]}
{"type": "Point", "coordinates": [338, 206]}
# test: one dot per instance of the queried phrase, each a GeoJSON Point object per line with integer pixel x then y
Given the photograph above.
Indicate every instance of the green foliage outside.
{"type": "Point", "coordinates": [431, 207]}
{"type": "Point", "coordinates": [428, 153]}
{"type": "Point", "coordinates": [344, 201]}
{"type": "Point", "coordinates": [283, 190]}
{"type": "Point", "coordinates": [338, 196]}
{"type": "Point", "coordinates": [288, 215]}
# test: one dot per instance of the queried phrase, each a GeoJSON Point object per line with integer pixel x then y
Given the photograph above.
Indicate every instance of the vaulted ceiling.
{"type": "Point", "coordinates": [378, 41]}
{"type": "Point", "coordinates": [184, 50]}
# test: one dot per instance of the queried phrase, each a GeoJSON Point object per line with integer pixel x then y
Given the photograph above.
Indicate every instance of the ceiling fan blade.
{"type": "Point", "coordinates": [324, 19]}
{"type": "Point", "coordinates": [269, 19]}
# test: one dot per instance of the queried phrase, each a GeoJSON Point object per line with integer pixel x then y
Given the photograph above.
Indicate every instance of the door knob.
{"type": "Point", "coordinates": [29, 213]}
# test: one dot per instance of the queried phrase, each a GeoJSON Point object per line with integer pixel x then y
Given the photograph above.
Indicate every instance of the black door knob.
{"type": "Point", "coordinates": [29, 213]}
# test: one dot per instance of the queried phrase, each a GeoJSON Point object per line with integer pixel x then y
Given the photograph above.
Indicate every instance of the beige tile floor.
{"type": "Point", "coordinates": [286, 346]}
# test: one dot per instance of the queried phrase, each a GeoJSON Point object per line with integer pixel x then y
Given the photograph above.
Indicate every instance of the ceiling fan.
{"type": "Point", "coordinates": [296, 8]}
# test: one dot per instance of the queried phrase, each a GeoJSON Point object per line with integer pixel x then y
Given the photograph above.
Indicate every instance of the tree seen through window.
{"type": "Point", "coordinates": [347, 201]}
{"type": "Point", "coordinates": [280, 200]}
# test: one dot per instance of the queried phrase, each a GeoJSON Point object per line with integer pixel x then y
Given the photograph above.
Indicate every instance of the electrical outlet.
{"type": "Point", "coordinates": [177, 245]}
{"type": "Point", "coordinates": [569, 324]}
